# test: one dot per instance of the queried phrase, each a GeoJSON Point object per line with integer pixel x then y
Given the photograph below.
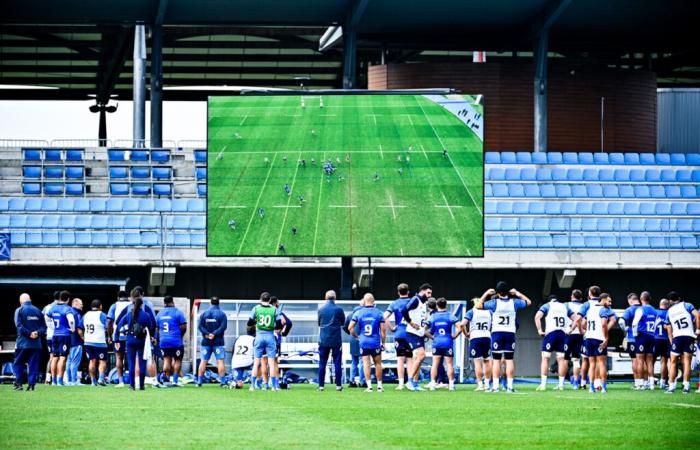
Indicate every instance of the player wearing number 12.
{"type": "Point", "coordinates": [644, 329]}
{"type": "Point", "coordinates": [265, 317]}
{"type": "Point", "coordinates": [372, 336]}
{"type": "Point", "coordinates": [172, 325]}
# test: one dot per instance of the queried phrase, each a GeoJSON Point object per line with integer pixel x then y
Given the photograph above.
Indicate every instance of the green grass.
{"type": "Point", "coordinates": [302, 418]}
{"type": "Point", "coordinates": [372, 131]}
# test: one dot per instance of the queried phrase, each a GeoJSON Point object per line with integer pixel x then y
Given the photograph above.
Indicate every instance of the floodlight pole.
{"type": "Point", "coordinates": [349, 57]}
{"type": "Point", "coordinates": [157, 86]}
{"type": "Point", "coordinates": [540, 119]}
{"type": "Point", "coordinates": [346, 274]}
{"type": "Point", "coordinates": [139, 86]}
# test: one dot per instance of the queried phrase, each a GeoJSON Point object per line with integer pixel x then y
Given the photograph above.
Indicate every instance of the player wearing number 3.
{"type": "Point", "coordinates": [555, 316]}
{"type": "Point", "coordinates": [172, 325]}
{"type": "Point", "coordinates": [504, 307]}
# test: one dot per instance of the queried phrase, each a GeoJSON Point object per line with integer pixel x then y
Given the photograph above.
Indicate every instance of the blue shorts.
{"type": "Point", "coordinates": [480, 348]}
{"type": "Point", "coordinates": [402, 348]}
{"type": "Point", "coordinates": [592, 347]}
{"type": "Point", "coordinates": [217, 350]}
{"type": "Point", "coordinates": [174, 352]}
{"type": "Point", "coordinates": [502, 342]}
{"type": "Point", "coordinates": [443, 352]}
{"type": "Point", "coordinates": [48, 345]}
{"type": "Point", "coordinates": [99, 353]}
{"type": "Point", "coordinates": [554, 342]}
{"type": "Point", "coordinates": [415, 342]}
{"type": "Point", "coordinates": [662, 348]}
{"type": "Point", "coordinates": [632, 349]}
{"type": "Point", "coordinates": [574, 342]}
{"type": "Point", "coordinates": [265, 345]}
{"type": "Point", "coordinates": [645, 343]}
{"type": "Point", "coordinates": [683, 344]}
{"type": "Point", "coordinates": [61, 345]}
{"type": "Point", "coordinates": [371, 352]}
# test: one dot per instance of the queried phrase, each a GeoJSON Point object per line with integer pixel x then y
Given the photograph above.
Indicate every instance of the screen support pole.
{"type": "Point", "coordinates": [346, 278]}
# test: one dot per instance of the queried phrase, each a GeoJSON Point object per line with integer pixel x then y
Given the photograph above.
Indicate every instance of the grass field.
{"type": "Point", "coordinates": [428, 206]}
{"type": "Point", "coordinates": [302, 418]}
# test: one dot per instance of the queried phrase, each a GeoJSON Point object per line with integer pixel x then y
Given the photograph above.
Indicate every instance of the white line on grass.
{"type": "Point", "coordinates": [392, 206]}
{"type": "Point", "coordinates": [381, 152]}
{"type": "Point", "coordinates": [289, 199]}
{"type": "Point", "coordinates": [232, 206]}
{"type": "Point", "coordinates": [345, 151]}
{"type": "Point", "coordinates": [242, 121]}
{"type": "Point", "coordinates": [218, 155]}
{"type": "Point", "coordinates": [686, 405]}
{"type": "Point", "coordinates": [342, 206]}
{"type": "Point", "coordinates": [240, 247]}
{"type": "Point", "coordinates": [409, 118]}
{"type": "Point", "coordinates": [401, 250]}
{"type": "Point", "coordinates": [447, 205]}
{"type": "Point", "coordinates": [318, 211]}
{"type": "Point", "coordinates": [424, 152]}
{"type": "Point", "coordinates": [286, 206]}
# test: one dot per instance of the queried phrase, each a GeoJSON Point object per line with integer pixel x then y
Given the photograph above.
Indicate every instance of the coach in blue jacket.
{"type": "Point", "coordinates": [212, 325]}
{"type": "Point", "coordinates": [31, 326]}
{"type": "Point", "coordinates": [331, 319]}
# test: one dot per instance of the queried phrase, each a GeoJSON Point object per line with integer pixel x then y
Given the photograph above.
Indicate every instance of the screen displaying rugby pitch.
{"type": "Point", "coordinates": [345, 175]}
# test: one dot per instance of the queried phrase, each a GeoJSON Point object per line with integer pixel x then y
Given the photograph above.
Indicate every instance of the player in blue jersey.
{"type": "Point", "coordinates": [63, 326]}
{"type": "Point", "coordinates": [662, 347]}
{"type": "Point", "coordinates": [75, 355]}
{"type": "Point", "coordinates": [415, 314]}
{"type": "Point", "coordinates": [284, 326]}
{"type": "Point", "coordinates": [625, 323]}
{"type": "Point", "coordinates": [49, 337]}
{"type": "Point", "coordinates": [574, 339]}
{"type": "Point", "coordinates": [596, 320]}
{"type": "Point", "coordinates": [441, 329]}
{"type": "Point", "coordinates": [477, 327]}
{"type": "Point", "coordinates": [171, 327]}
{"type": "Point", "coordinates": [357, 373]}
{"type": "Point", "coordinates": [287, 189]}
{"type": "Point", "coordinates": [372, 337]}
{"type": "Point", "coordinates": [683, 326]}
{"type": "Point", "coordinates": [118, 339]}
{"type": "Point", "coordinates": [404, 354]}
{"type": "Point", "coordinates": [556, 315]}
{"type": "Point", "coordinates": [212, 325]}
{"type": "Point", "coordinates": [504, 305]}
{"type": "Point", "coordinates": [644, 327]}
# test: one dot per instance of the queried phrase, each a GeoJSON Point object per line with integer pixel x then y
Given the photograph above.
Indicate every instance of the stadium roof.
{"type": "Point", "coordinates": [83, 47]}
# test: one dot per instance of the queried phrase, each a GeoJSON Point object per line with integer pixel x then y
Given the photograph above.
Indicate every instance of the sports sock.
{"type": "Point", "coordinates": [686, 385]}
{"type": "Point", "coordinates": [561, 381]}
{"type": "Point", "coordinates": [121, 379]}
{"type": "Point", "coordinates": [543, 380]}
{"type": "Point", "coordinates": [175, 378]}
{"type": "Point", "coordinates": [672, 386]}
{"type": "Point", "coordinates": [480, 383]}
{"type": "Point", "coordinates": [596, 383]}
{"type": "Point", "coordinates": [451, 383]}
{"type": "Point", "coordinates": [275, 383]}
{"type": "Point", "coordinates": [510, 383]}
{"type": "Point", "coordinates": [651, 381]}
{"type": "Point", "coordinates": [379, 385]}
{"type": "Point", "coordinates": [369, 384]}
{"type": "Point", "coordinates": [254, 382]}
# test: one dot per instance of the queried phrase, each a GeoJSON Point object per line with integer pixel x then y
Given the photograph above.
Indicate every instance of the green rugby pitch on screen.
{"type": "Point", "coordinates": [345, 175]}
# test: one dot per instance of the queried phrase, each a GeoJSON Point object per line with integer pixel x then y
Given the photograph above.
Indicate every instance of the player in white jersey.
{"type": "Point", "coordinates": [242, 358]}
{"type": "Point", "coordinates": [682, 317]}
{"type": "Point", "coordinates": [95, 336]}
{"type": "Point", "coordinates": [415, 313]}
{"type": "Point", "coordinates": [477, 324]}
{"type": "Point", "coordinates": [595, 320]}
{"type": "Point", "coordinates": [49, 337]}
{"type": "Point", "coordinates": [555, 315]}
{"type": "Point", "coordinates": [574, 339]}
{"type": "Point", "coordinates": [593, 295]}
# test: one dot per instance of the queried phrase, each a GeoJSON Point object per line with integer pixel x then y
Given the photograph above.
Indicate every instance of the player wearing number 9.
{"type": "Point", "coordinates": [372, 336]}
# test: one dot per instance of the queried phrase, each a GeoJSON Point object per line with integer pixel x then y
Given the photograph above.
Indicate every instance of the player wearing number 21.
{"type": "Point", "coordinates": [504, 305]}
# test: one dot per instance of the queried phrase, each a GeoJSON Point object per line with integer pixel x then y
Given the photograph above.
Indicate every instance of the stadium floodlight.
{"type": "Point", "coordinates": [301, 81]}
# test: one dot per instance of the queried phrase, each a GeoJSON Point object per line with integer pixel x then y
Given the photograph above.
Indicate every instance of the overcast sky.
{"type": "Point", "coordinates": [49, 120]}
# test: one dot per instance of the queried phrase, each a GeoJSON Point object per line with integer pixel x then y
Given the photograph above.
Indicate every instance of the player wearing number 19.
{"type": "Point", "coordinates": [555, 314]}
{"type": "Point", "coordinates": [212, 325]}
{"type": "Point", "coordinates": [95, 333]}
{"type": "Point", "coordinates": [172, 325]}
{"type": "Point", "coordinates": [440, 329]}
{"type": "Point", "coordinates": [266, 318]}
{"type": "Point", "coordinates": [372, 337]}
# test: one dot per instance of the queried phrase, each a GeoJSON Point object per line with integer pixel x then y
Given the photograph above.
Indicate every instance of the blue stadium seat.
{"type": "Point", "coordinates": [616, 158]}
{"type": "Point", "coordinates": [81, 239]}
{"type": "Point", "coordinates": [179, 205]}
{"type": "Point", "coordinates": [49, 239]}
{"type": "Point", "coordinates": [33, 239]}
{"type": "Point", "coordinates": [641, 191]}
{"type": "Point", "coordinates": [149, 239]}
{"type": "Point", "coordinates": [200, 156]}
{"type": "Point", "coordinates": [31, 171]}
{"type": "Point", "coordinates": [594, 190]}
{"type": "Point", "coordinates": [52, 155]}
{"type": "Point", "coordinates": [489, 158]}
{"type": "Point", "coordinates": [498, 190]}
{"type": "Point", "coordinates": [49, 204]}
{"type": "Point", "coordinates": [544, 174]}
{"type": "Point", "coordinates": [592, 224]}
{"type": "Point", "coordinates": [610, 191]}
{"type": "Point", "coordinates": [67, 221]}
{"type": "Point", "coordinates": [75, 172]}
{"type": "Point", "coordinates": [116, 155]}
{"type": "Point", "coordinates": [140, 172]}
{"type": "Point", "coordinates": [31, 154]}
{"type": "Point", "coordinates": [560, 241]}
{"type": "Point", "coordinates": [539, 158]}
{"type": "Point", "coordinates": [177, 222]}
{"type": "Point", "coordinates": [149, 222]}
{"type": "Point", "coordinates": [492, 224]}
{"type": "Point", "coordinates": [600, 158]}
{"type": "Point", "coordinates": [53, 188]}
{"type": "Point", "coordinates": [607, 224]}
{"type": "Point", "coordinates": [162, 173]}
{"type": "Point", "coordinates": [523, 157]}
{"type": "Point", "coordinates": [608, 242]}
{"type": "Point", "coordinates": [160, 155]}
{"type": "Point", "coordinates": [162, 189]}
{"type": "Point", "coordinates": [574, 175]}
{"type": "Point", "coordinates": [662, 158]}
{"type": "Point", "coordinates": [116, 239]}
{"type": "Point", "coordinates": [178, 239]}
{"type": "Point", "coordinates": [495, 174]}
{"type": "Point", "coordinates": [647, 159]}
{"type": "Point", "coordinates": [585, 158]}
{"type": "Point", "coordinates": [488, 190]}
{"type": "Point", "coordinates": [98, 204]}
{"type": "Point", "coordinates": [622, 175]}
{"type": "Point", "coordinates": [637, 175]}
{"type": "Point", "coordinates": [514, 208]}
{"type": "Point", "coordinates": [660, 209]}
{"type": "Point", "coordinates": [66, 239]}
{"type": "Point", "coordinates": [75, 188]}
{"type": "Point", "coordinates": [100, 239]}
{"type": "Point", "coordinates": [689, 242]}
{"type": "Point", "coordinates": [511, 241]}
{"type": "Point", "coordinates": [163, 205]}
{"type": "Point", "coordinates": [546, 190]}
{"type": "Point", "coordinates": [119, 188]}
{"type": "Point", "coordinates": [557, 224]}
{"type": "Point", "coordinates": [657, 242]}
{"type": "Point", "coordinates": [17, 221]}
{"type": "Point", "coordinates": [683, 176]}
{"type": "Point", "coordinates": [695, 176]}
{"type": "Point", "coordinates": [100, 222]}
{"type": "Point", "coordinates": [584, 208]}
{"type": "Point", "coordinates": [625, 191]}
{"type": "Point", "coordinates": [198, 240]}
{"type": "Point", "coordinates": [591, 242]}
{"type": "Point", "coordinates": [202, 189]}
{"type": "Point", "coordinates": [631, 158]}
{"type": "Point", "coordinates": [686, 191]}
{"type": "Point", "coordinates": [576, 223]}
{"type": "Point", "coordinates": [4, 203]}
{"type": "Point", "coordinates": [559, 174]}
{"type": "Point", "coordinates": [692, 159]}
{"type": "Point", "coordinates": [34, 221]}
{"type": "Point", "coordinates": [668, 175]}
{"type": "Point", "coordinates": [672, 191]}
{"type": "Point", "coordinates": [616, 208]}
{"type": "Point", "coordinates": [141, 188]}
{"type": "Point", "coordinates": [117, 222]}
{"type": "Point", "coordinates": [201, 173]}
{"type": "Point", "coordinates": [652, 175]}
{"type": "Point", "coordinates": [138, 155]}
{"type": "Point", "coordinates": [528, 241]}
{"type": "Point", "coordinates": [541, 224]}
{"type": "Point", "coordinates": [33, 204]}
{"type": "Point", "coordinates": [531, 190]}
{"type": "Point", "coordinates": [132, 239]}
{"type": "Point", "coordinates": [493, 241]}
{"type": "Point", "coordinates": [606, 175]}
{"type": "Point", "coordinates": [570, 158]}
{"type": "Point", "coordinates": [656, 191]}
{"type": "Point", "coordinates": [115, 204]}
{"type": "Point", "coordinates": [503, 207]}
{"type": "Point", "coordinates": [590, 174]}
{"type": "Point", "coordinates": [147, 205]}
{"type": "Point", "coordinates": [74, 154]}
{"type": "Point", "coordinates": [568, 208]}
{"type": "Point", "coordinates": [554, 158]}
{"type": "Point", "coordinates": [640, 241]}
{"type": "Point", "coordinates": [508, 224]}
{"type": "Point", "coordinates": [196, 205]}
{"type": "Point", "coordinates": [544, 241]}
{"type": "Point", "coordinates": [678, 159]}
{"type": "Point", "coordinates": [515, 190]}
{"type": "Point", "coordinates": [536, 208]}
{"type": "Point", "coordinates": [118, 172]}
{"type": "Point", "coordinates": [489, 206]}
{"type": "Point", "coordinates": [66, 205]}
{"type": "Point", "coordinates": [53, 172]}
{"type": "Point", "coordinates": [200, 222]}
{"type": "Point", "coordinates": [508, 158]}
{"type": "Point", "coordinates": [130, 205]}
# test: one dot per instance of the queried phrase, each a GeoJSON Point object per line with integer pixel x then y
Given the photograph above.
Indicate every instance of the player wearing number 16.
{"type": "Point", "coordinates": [504, 307]}
{"type": "Point", "coordinates": [172, 325]}
{"type": "Point", "coordinates": [372, 336]}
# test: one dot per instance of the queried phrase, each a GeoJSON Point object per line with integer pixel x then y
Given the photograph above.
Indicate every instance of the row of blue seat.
{"type": "Point", "coordinates": [591, 190]}
{"type": "Point", "coordinates": [158, 189]}
{"type": "Point", "coordinates": [202, 189]}
{"type": "Point", "coordinates": [158, 173]}
{"type": "Point", "coordinates": [98, 222]}
{"type": "Point", "coordinates": [564, 241]}
{"type": "Point", "coordinates": [590, 224]}
{"type": "Point", "coordinates": [71, 172]}
{"type": "Point", "coordinates": [101, 204]}
{"type": "Point", "coordinates": [104, 239]}
{"type": "Point", "coordinates": [200, 155]}
{"type": "Point", "coordinates": [123, 154]}
{"type": "Point", "coordinates": [201, 173]}
{"type": "Point", "coordinates": [53, 154]}
{"type": "Point", "coordinates": [650, 159]}
{"type": "Point", "coordinates": [587, 208]}
{"type": "Point", "coordinates": [53, 188]}
{"type": "Point", "coordinates": [619, 175]}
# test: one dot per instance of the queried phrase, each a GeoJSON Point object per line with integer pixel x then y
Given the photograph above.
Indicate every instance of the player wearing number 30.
{"type": "Point", "coordinates": [266, 318]}
{"type": "Point", "coordinates": [504, 308]}
{"type": "Point", "coordinates": [679, 324]}
{"type": "Point", "coordinates": [555, 316]}
{"type": "Point", "coordinates": [172, 325]}
{"type": "Point", "coordinates": [95, 332]}
{"type": "Point", "coordinates": [372, 336]}
{"type": "Point", "coordinates": [439, 329]}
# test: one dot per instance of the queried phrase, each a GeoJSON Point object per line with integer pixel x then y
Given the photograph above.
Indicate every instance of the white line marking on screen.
{"type": "Point", "coordinates": [240, 247]}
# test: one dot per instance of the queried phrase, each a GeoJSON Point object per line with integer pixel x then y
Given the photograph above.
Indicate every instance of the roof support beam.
{"type": "Point", "coordinates": [139, 86]}
{"type": "Point", "coordinates": [111, 63]}
{"type": "Point", "coordinates": [352, 20]}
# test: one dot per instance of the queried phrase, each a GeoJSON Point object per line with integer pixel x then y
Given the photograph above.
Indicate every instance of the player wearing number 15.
{"type": "Point", "coordinates": [679, 324]}
{"type": "Point", "coordinates": [372, 336]}
{"type": "Point", "coordinates": [504, 307]}
{"type": "Point", "coordinates": [212, 325]}
{"type": "Point", "coordinates": [172, 325]}
{"type": "Point", "coordinates": [266, 318]}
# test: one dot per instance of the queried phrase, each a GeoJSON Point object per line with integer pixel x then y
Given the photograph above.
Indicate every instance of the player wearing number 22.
{"type": "Point", "coordinates": [172, 325]}
{"type": "Point", "coordinates": [372, 336]}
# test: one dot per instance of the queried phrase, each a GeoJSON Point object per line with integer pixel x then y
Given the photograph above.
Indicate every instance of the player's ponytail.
{"type": "Point", "coordinates": [138, 304]}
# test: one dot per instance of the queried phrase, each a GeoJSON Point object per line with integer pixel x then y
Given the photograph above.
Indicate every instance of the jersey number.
{"type": "Point", "coordinates": [482, 326]}
{"type": "Point", "coordinates": [242, 350]}
{"type": "Point", "coordinates": [559, 321]}
{"type": "Point", "coordinates": [591, 326]}
{"type": "Point", "coordinates": [264, 321]}
{"type": "Point", "coordinates": [56, 323]}
{"type": "Point", "coordinates": [166, 327]}
{"type": "Point", "coordinates": [90, 328]}
{"type": "Point", "coordinates": [368, 330]}
{"type": "Point", "coordinates": [651, 326]}
{"type": "Point", "coordinates": [504, 320]}
{"type": "Point", "coordinates": [681, 323]}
